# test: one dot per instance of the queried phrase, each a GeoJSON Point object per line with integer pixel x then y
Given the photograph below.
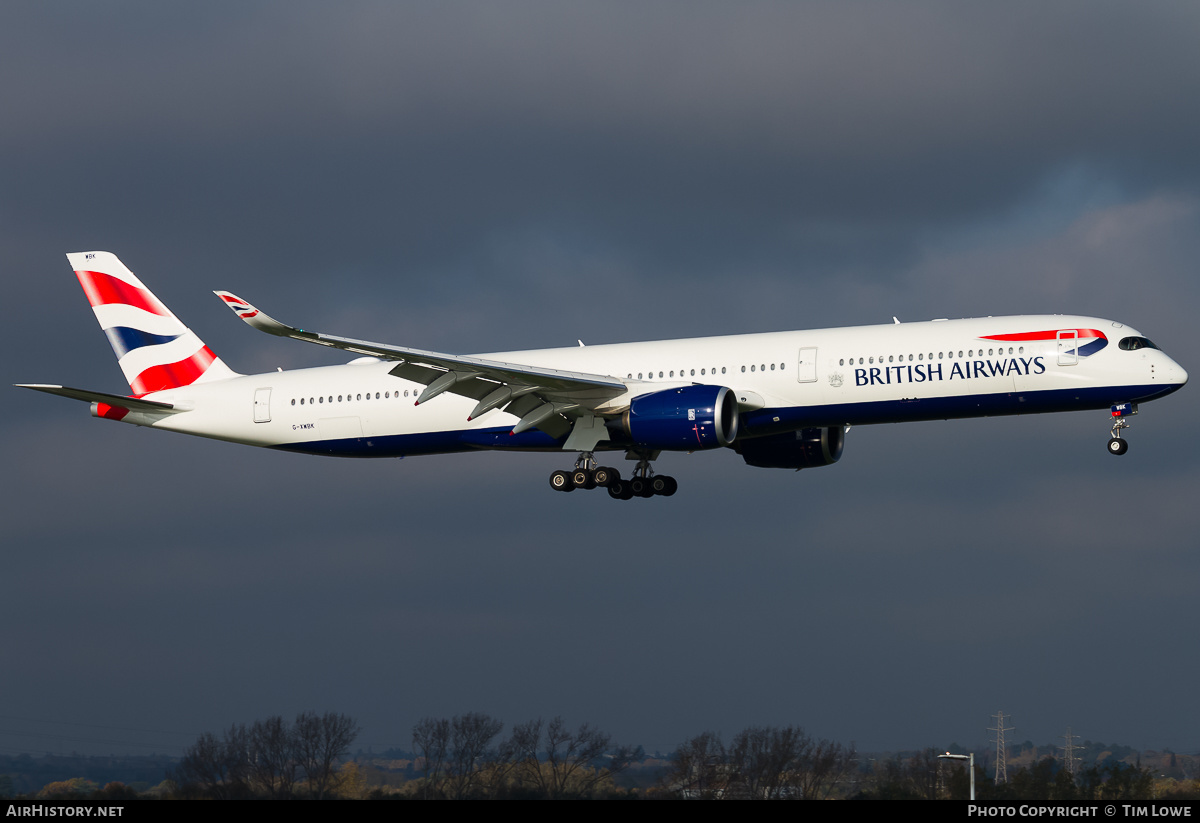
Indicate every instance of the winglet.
{"type": "Point", "coordinates": [254, 317]}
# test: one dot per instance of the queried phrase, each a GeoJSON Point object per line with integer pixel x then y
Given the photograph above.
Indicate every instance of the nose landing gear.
{"type": "Point", "coordinates": [1119, 412]}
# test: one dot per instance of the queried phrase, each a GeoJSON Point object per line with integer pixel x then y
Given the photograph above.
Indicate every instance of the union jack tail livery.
{"type": "Point", "coordinates": [154, 349]}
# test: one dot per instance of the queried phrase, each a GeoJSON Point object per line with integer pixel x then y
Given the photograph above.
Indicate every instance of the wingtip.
{"type": "Point", "coordinates": [242, 308]}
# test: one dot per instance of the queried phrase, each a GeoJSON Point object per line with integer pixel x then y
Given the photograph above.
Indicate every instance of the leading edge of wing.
{"type": "Point", "coordinates": [588, 389]}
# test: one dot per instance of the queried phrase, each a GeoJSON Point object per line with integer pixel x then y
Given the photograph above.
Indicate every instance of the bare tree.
{"type": "Point", "coordinates": [700, 769]}
{"type": "Point", "coordinates": [319, 743]}
{"type": "Point", "coordinates": [431, 742]}
{"type": "Point", "coordinates": [273, 757]}
{"type": "Point", "coordinates": [923, 769]}
{"type": "Point", "coordinates": [575, 762]}
{"type": "Point", "coordinates": [762, 759]}
{"type": "Point", "coordinates": [470, 736]}
{"type": "Point", "coordinates": [821, 764]}
{"type": "Point", "coordinates": [761, 762]}
{"type": "Point", "coordinates": [216, 767]}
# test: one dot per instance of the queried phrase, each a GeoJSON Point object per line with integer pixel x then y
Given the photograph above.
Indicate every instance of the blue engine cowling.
{"type": "Point", "coordinates": [687, 418]}
{"type": "Point", "coordinates": [803, 449]}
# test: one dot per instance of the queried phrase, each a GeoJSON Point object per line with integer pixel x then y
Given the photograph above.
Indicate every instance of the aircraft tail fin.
{"type": "Point", "coordinates": [154, 349]}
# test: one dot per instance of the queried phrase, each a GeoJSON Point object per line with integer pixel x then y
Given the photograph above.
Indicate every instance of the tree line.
{"type": "Point", "coordinates": [469, 757]}
{"type": "Point", "coordinates": [271, 758]}
{"type": "Point", "coordinates": [464, 757]}
{"type": "Point", "coordinates": [760, 763]}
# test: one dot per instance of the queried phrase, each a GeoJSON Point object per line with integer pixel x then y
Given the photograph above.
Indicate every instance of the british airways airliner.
{"type": "Point", "coordinates": [780, 400]}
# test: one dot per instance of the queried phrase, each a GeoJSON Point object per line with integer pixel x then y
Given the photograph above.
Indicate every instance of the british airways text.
{"type": "Point", "coordinates": [961, 370]}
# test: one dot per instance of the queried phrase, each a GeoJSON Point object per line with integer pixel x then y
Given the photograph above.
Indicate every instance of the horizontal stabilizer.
{"type": "Point", "coordinates": [131, 403]}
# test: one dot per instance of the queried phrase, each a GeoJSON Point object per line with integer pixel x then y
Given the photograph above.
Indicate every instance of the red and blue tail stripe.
{"type": "Point", "coordinates": [155, 350]}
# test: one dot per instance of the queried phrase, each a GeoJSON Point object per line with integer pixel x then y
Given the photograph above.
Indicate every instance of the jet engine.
{"type": "Point", "coordinates": [803, 449]}
{"type": "Point", "coordinates": [687, 418]}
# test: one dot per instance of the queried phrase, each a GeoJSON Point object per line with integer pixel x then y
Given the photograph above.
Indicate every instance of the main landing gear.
{"type": "Point", "coordinates": [588, 475]}
{"type": "Point", "coordinates": [1119, 412]}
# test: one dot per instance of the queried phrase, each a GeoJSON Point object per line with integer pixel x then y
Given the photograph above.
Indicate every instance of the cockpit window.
{"type": "Point", "coordinates": [1135, 343]}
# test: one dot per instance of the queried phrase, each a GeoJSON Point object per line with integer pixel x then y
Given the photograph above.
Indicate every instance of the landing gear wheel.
{"type": "Point", "coordinates": [640, 487]}
{"type": "Point", "coordinates": [1117, 446]}
{"type": "Point", "coordinates": [664, 485]}
{"type": "Point", "coordinates": [605, 476]}
{"type": "Point", "coordinates": [582, 479]}
{"type": "Point", "coordinates": [619, 490]}
{"type": "Point", "coordinates": [561, 481]}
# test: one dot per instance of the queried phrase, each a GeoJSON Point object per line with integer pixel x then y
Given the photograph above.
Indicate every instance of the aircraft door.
{"type": "Point", "coordinates": [1068, 347]}
{"type": "Point", "coordinates": [807, 365]}
{"type": "Point", "coordinates": [262, 405]}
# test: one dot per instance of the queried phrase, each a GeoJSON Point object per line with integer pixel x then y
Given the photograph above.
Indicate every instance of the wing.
{"type": "Point", "coordinates": [548, 399]}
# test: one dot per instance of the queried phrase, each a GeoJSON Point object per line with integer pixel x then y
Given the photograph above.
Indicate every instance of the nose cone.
{"type": "Point", "coordinates": [1175, 374]}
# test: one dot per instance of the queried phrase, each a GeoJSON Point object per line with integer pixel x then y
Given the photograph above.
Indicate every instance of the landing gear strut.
{"type": "Point", "coordinates": [1119, 412]}
{"type": "Point", "coordinates": [1115, 444]}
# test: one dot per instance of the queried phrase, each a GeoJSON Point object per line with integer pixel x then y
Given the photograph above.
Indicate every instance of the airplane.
{"type": "Point", "coordinates": [780, 400]}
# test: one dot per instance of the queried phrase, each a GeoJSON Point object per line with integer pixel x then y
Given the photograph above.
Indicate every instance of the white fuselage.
{"type": "Point", "coordinates": [783, 381]}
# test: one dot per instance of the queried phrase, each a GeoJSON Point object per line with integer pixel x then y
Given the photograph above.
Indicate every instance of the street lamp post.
{"type": "Point", "coordinates": [970, 758]}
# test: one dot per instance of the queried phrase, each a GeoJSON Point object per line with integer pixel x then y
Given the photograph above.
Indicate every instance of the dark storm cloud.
{"type": "Point", "coordinates": [486, 177]}
{"type": "Point", "coordinates": [818, 132]}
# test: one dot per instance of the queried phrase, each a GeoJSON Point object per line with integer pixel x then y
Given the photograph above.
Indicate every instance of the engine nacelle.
{"type": "Point", "coordinates": [804, 449]}
{"type": "Point", "coordinates": [687, 418]}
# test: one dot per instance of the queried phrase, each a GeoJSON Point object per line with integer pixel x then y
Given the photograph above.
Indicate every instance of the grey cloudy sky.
{"type": "Point", "coordinates": [472, 177]}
